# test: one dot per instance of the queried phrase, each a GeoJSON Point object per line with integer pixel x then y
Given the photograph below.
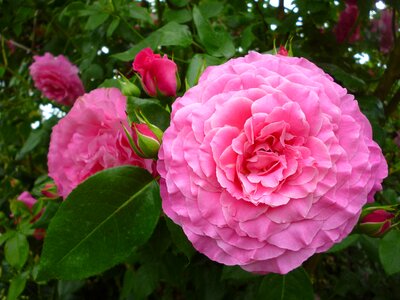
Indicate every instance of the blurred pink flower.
{"type": "Point", "coordinates": [56, 78]}
{"type": "Point", "coordinates": [266, 162]}
{"type": "Point", "coordinates": [345, 26]}
{"type": "Point", "coordinates": [158, 73]}
{"type": "Point", "coordinates": [91, 138]}
{"type": "Point", "coordinates": [27, 199]}
{"type": "Point", "coordinates": [384, 28]}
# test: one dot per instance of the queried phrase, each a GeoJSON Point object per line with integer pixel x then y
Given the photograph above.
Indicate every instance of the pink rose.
{"type": "Point", "coordinates": [27, 199]}
{"type": "Point", "coordinates": [266, 162]}
{"type": "Point", "coordinates": [56, 78]}
{"type": "Point", "coordinates": [383, 26]}
{"type": "Point", "coordinates": [345, 26]}
{"type": "Point", "coordinates": [158, 73]}
{"type": "Point", "coordinates": [91, 138]}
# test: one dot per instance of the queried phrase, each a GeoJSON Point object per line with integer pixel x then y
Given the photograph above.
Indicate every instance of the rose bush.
{"type": "Point", "coordinates": [266, 162]}
{"type": "Point", "coordinates": [91, 138]}
{"type": "Point", "coordinates": [158, 74]}
{"type": "Point", "coordinates": [56, 78]}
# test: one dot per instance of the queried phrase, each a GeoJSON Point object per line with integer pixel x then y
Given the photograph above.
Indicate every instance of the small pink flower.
{"type": "Point", "coordinates": [56, 78]}
{"type": "Point", "coordinates": [345, 26]}
{"type": "Point", "coordinates": [267, 161]}
{"type": "Point", "coordinates": [27, 199]}
{"type": "Point", "coordinates": [376, 223]}
{"type": "Point", "coordinates": [383, 26]}
{"type": "Point", "coordinates": [158, 73]}
{"type": "Point", "coordinates": [91, 138]}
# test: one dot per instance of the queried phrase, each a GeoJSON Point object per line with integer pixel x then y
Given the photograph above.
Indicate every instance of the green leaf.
{"type": "Point", "coordinates": [17, 286]}
{"type": "Point", "coordinates": [179, 16]}
{"type": "Point", "coordinates": [292, 286]}
{"type": "Point", "coordinates": [16, 250]}
{"type": "Point", "coordinates": [180, 240]}
{"type": "Point", "coordinates": [172, 34]}
{"type": "Point", "coordinates": [347, 242]}
{"type": "Point", "coordinates": [37, 137]}
{"type": "Point", "coordinates": [2, 71]}
{"type": "Point", "coordinates": [350, 81]}
{"type": "Point", "coordinates": [113, 25]}
{"type": "Point", "coordinates": [139, 13]}
{"type": "Point", "coordinates": [65, 289]}
{"type": "Point", "coordinates": [236, 273]}
{"type": "Point", "coordinates": [5, 236]}
{"type": "Point", "coordinates": [111, 83]}
{"type": "Point", "coordinates": [217, 43]}
{"type": "Point", "coordinates": [151, 109]}
{"type": "Point", "coordinates": [99, 223]}
{"type": "Point", "coordinates": [211, 9]}
{"type": "Point", "coordinates": [197, 65]}
{"type": "Point", "coordinates": [389, 250]}
{"type": "Point", "coordinates": [96, 20]}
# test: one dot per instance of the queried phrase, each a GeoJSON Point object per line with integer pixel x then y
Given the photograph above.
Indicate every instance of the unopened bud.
{"type": "Point", "coordinates": [376, 223]}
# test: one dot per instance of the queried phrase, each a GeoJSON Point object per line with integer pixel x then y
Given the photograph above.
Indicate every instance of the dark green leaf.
{"type": "Point", "coordinates": [292, 286]}
{"type": "Point", "coordinates": [236, 273]}
{"type": "Point", "coordinates": [96, 20]}
{"type": "Point", "coordinates": [179, 3]}
{"type": "Point", "coordinates": [152, 110]}
{"type": "Point", "coordinates": [350, 81]}
{"type": "Point", "coordinates": [16, 250]}
{"type": "Point", "coordinates": [113, 25]}
{"type": "Point", "coordinates": [172, 34]}
{"type": "Point", "coordinates": [37, 137]}
{"type": "Point", "coordinates": [180, 240]}
{"type": "Point", "coordinates": [348, 241]}
{"type": "Point", "coordinates": [217, 43]}
{"type": "Point", "coordinates": [389, 250]}
{"type": "Point", "coordinates": [65, 289]}
{"type": "Point", "coordinates": [211, 9]}
{"type": "Point", "coordinates": [17, 286]}
{"type": "Point", "coordinates": [100, 222]}
{"type": "Point", "coordinates": [179, 16]}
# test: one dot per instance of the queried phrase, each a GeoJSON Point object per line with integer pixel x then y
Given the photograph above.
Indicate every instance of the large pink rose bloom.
{"type": "Point", "coordinates": [91, 138]}
{"type": "Point", "coordinates": [56, 78]}
{"type": "Point", "coordinates": [266, 162]}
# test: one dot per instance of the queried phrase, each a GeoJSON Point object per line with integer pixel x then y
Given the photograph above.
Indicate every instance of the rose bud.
{"type": "Point", "coordinates": [282, 51]}
{"type": "Point", "coordinates": [376, 223]}
{"type": "Point", "coordinates": [27, 199]}
{"type": "Point", "coordinates": [50, 191]}
{"type": "Point", "coordinates": [145, 141]}
{"type": "Point", "coordinates": [158, 74]}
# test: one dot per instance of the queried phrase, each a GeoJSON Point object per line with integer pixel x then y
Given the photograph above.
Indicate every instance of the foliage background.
{"type": "Point", "coordinates": [102, 37]}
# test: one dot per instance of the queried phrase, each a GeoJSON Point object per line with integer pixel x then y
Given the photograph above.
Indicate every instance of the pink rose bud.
{"type": "Point", "coordinates": [145, 140]}
{"type": "Point", "coordinates": [56, 78]}
{"type": "Point", "coordinates": [376, 223]}
{"type": "Point", "coordinates": [158, 74]}
{"type": "Point", "coordinates": [282, 51]}
{"type": "Point", "coordinates": [50, 191]}
{"type": "Point", "coordinates": [27, 199]}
